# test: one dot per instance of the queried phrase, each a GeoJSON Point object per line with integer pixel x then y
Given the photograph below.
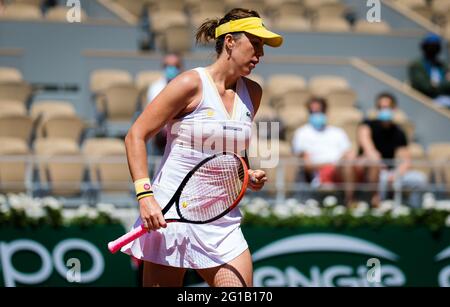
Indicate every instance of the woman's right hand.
{"type": "Point", "coordinates": [151, 214]}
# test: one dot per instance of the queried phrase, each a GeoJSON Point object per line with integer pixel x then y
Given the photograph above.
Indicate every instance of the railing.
{"type": "Point", "coordinates": [287, 179]}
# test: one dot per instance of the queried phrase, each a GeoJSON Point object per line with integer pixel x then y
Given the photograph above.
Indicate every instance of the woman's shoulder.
{"type": "Point", "coordinates": [188, 81]}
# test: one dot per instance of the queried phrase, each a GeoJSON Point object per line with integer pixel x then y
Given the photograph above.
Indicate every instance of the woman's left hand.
{"type": "Point", "coordinates": [257, 179]}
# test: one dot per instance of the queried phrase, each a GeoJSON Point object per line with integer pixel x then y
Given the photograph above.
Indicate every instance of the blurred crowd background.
{"type": "Point", "coordinates": [360, 92]}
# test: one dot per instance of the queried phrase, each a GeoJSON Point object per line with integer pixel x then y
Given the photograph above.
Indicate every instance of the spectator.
{"type": "Point", "coordinates": [172, 65]}
{"type": "Point", "coordinates": [381, 140]}
{"type": "Point", "coordinates": [325, 150]}
{"type": "Point", "coordinates": [428, 74]}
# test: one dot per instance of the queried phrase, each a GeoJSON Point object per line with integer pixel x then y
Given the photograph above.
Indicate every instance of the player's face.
{"type": "Point", "coordinates": [248, 50]}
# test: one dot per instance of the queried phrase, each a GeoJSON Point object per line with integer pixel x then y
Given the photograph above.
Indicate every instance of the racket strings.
{"type": "Point", "coordinates": [212, 189]}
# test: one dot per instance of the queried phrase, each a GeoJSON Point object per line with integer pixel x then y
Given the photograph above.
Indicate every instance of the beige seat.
{"type": "Point", "coordinates": [276, 151]}
{"type": "Point", "coordinates": [440, 6]}
{"type": "Point", "coordinates": [439, 155]}
{"type": "Point", "coordinates": [339, 116]}
{"type": "Point", "coordinates": [322, 85]}
{"type": "Point", "coordinates": [197, 19]}
{"type": "Point", "coordinates": [248, 4]}
{"type": "Point", "coordinates": [292, 117]}
{"type": "Point", "coordinates": [332, 9]}
{"type": "Point", "coordinates": [103, 78]}
{"type": "Point", "coordinates": [62, 126]}
{"type": "Point", "coordinates": [207, 7]}
{"type": "Point", "coordinates": [37, 3]}
{"type": "Point", "coordinates": [16, 91]}
{"type": "Point", "coordinates": [419, 159]}
{"type": "Point", "coordinates": [133, 7]}
{"type": "Point", "coordinates": [12, 107]}
{"type": "Point", "coordinates": [10, 74]}
{"type": "Point", "coordinates": [48, 108]}
{"type": "Point", "coordinates": [144, 80]}
{"type": "Point", "coordinates": [59, 13]}
{"type": "Point", "coordinates": [331, 24]}
{"type": "Point", "coordinates": [292, 23]}
{"type": "Point", "coordinates": [61, 166]}
{"type": "Point", "coordinates": [108, 166]}
{"type": "Point", "coordinates": [15, 125]}
{"type": "Point", "coordinates": [119, 102]}
{"type": "Point", "coordinates": [13, 165]}
{"type": "Point", "coordinates": [364, 26]}
{"type": "Point", "coordinates": [161, 21]}
{"type": "Point", "coordinates": [21, 11]}
{"type": "Point", "coordinates": [177, 39]}
{"type": "Point", "coordinates": [288, 9]}
{"type": "Point", "coordinates": [341, 98]}
{"type": "Point", "coordinates": [265, 113]}
{"type": "Point", "coordinates": [162, 6]}
{"type": "Point", "coordinates": [280, 84]}
{"type": "Point", "coordinates": [314, 4]}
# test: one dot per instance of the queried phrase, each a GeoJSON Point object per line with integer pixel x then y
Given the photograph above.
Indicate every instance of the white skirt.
{"type": "Point", "coordinates": [194, 246]}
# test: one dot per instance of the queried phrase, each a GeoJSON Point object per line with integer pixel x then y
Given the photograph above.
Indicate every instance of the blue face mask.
{"type": "Point", "coordinates": [171, 72]}
{"type": "Point", "coordinates": [318, 120]}
{"type": "Point", "coordinates": [385, 115]}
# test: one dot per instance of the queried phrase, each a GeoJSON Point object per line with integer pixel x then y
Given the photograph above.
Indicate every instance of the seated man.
{"type": "Point", "coordinates": [428, 74]}
{"type": "Point", "coordinates": [380, 141]}
{"type": "Point", "coordinates": [325, 150]}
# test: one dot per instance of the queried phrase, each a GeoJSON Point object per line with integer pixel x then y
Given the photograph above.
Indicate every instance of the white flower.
{"type": "Point", "coordinates": [264, 212]}
{"type": "Point", "coordinates": [447, 221]}
{"type": "Point", "coordinates": [428, 201]}
{"type": "Point", "coordinates": [108, 209]}
{"type": "Point", "coordinates": [52, 203]}
{"type": "Point", "coordinates": [257, 205]}
{"type": "Point", "coordinates": [386, 205]}
{"type": "Point", "coordinates": [282, 211]}
{"type": "Point", "coordinates": [4, 208]}
{"type": "Point", "coordinates": [443, 205]}
{"type": "Point", "coordinates": [35, 211]}
{"type": "Point", "coordinates": [18, 201]}
{"type": "Point", "coordinates": [357, 213]}
{"type": "Point", "coordinates": [3, 199]}
{"type": "Point", "coordinates": [339, 210]}
{"type": "Point", "coordinates": [82, 210]}
{"type": "Point", "coordinates": [377, 212]}
{"type": "Point", "coordinates": [363, 206]}
{"type": "Point", "coordinates": [312, 203]}
{"type": "Point", "coordinates": [69, 214]}
{"type": "Point", "coordinates": [400, 211]}
{"type": "Point", "coordinates": [299, 210]}
{"type": "Point", "coordinates": [292, 202]}
{"type": "Point", "coordinates": [313, 211]}
{"type": "Point", "coordinates": [330, 201]}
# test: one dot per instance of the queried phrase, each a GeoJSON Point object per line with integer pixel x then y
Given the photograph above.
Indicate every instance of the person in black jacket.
{"type": "Point", "coordinates": [429, 74]}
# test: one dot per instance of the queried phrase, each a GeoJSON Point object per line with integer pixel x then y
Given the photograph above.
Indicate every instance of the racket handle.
{"type": "Point", "coordinates": [130, 236]}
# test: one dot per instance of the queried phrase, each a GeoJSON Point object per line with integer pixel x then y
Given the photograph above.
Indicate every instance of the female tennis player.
{"type": "Point", "coordinates": [202, 109]}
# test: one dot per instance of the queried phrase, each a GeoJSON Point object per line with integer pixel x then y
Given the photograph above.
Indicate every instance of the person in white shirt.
{"type": "Point", "coordinates": [173, 66]}
{"type": "Point", "coordinates": [325, 150]}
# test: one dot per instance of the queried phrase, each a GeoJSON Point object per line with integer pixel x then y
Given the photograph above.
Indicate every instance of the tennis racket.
{"type": "Point", "coordinates": [209, 191]}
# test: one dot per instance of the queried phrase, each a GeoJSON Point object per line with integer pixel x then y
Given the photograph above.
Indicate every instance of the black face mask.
{"type": "Point", "coordinates": [431, 51]}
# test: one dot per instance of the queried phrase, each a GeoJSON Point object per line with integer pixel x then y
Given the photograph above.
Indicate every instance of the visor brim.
{"type": "Point", "coordinates": [270, 38]}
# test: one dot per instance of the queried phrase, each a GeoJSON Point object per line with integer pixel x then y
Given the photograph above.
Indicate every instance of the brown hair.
{"type": "Point", "coordinates": [207, 31]}
{"type": "Point", "coordinates": [322, 101]}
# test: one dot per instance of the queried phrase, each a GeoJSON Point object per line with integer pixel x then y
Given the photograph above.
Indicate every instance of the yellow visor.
{"type": "Point", "coordinates": [252, 25]}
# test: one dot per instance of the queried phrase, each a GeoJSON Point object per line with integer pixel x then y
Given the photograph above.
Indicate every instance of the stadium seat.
{"type": "Point", "coordinates": [341, 98]}
{"type": "Point", "coordinates": [19, 91]}
{"type": "Point", "coordinates": [280, 84]}
{"type": "Point", "coordinates": [143, 81]}
{"type": "Point", "coordinates": [60, 166]}
{"type": "Point", "coordinates": [12, 107]}
{"type": "Point", "coordinates": [15, 125]}
{"type": "Point", "coordinates": [104, 78]}
{"type": "Point", "coordinates": [119, 102]}
{"type": "Point", "coordinates": [419, 159]}
{"type": "Point", "coordinates": [62, 126]}
{"type": "Point", "coordinates": [291, 23]}
{"type": "Point", "coordinates": [108, 167]}
{"type": "Point", "coordinates": [13, 173]}
{"type": "Point", "coordinates": [438, 154]}
{"type": "Point", "coordinates": [333, 10]}
{"type": "Point", "coordinates": [323, 84]}
{"type": "Point", "coordinates": [46, 108]}
{"type": "Point", "coordinates": [331, 24]}
{"type": "Point", "coordinates": [10, 74]}
{"type": "Point", "coordinates": [21, 11]}
{"type": "Point", "coordinates": [176, 39]}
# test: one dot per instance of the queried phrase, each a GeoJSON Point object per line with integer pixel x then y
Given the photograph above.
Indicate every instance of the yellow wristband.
{"type": "Point", "coordinates": [144, 195]}
{"type": "Point", "coordinates": [142, 185]}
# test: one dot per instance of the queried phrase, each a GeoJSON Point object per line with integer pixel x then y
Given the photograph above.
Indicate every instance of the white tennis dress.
{"type": "Point", "coordinates": [207, 130]}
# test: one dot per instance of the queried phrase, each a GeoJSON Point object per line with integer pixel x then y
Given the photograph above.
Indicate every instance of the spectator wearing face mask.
{"type": "Point", "coordinates": [325, 150]}
{"type": "Point", "coordinates": [380, 141]}
{"type": "Point", "coordinates": [173, 66]}
{"type": "Point", "coordinates": [429, 74]}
